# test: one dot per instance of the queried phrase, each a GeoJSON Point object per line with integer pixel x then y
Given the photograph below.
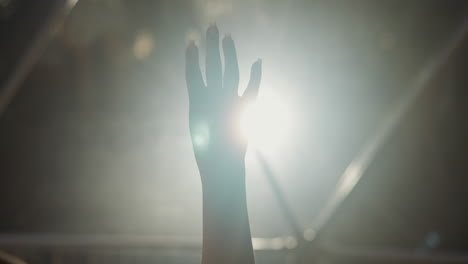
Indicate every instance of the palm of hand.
{"type": "Point", "coordinates": [214, 107]}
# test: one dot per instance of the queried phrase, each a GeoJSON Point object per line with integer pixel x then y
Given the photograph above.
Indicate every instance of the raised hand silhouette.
{"type": "Point", "coordinates": [214, 107]}
{"type": "Point", "coordinates": [220, 149]}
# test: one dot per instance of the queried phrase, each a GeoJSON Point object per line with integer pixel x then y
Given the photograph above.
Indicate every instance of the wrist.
{"type": "Point", "coordinates": [225, 199]}
{"type": "Point", "coordinates": [223, 177]}
{"type": "Point", "coordinates": [235, 191]}
{"type": "Point", "coordinates": [222, 173]}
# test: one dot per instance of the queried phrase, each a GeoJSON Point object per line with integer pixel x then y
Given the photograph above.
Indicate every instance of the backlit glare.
{"type": "Point", "coordinates": [266, 123]}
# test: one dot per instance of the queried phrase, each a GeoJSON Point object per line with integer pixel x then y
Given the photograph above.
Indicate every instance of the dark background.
{"type": "Point", "coordinates": [96, 140]}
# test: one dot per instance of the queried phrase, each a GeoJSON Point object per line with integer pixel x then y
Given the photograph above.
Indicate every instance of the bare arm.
{"type": "Point", "coordinates": [220, 150]}
{"type": "Point", "coordinates": [226, 231]}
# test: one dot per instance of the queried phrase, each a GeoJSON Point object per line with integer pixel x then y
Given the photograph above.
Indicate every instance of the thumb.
{"type": "Point", "coordinates": [255, 76]}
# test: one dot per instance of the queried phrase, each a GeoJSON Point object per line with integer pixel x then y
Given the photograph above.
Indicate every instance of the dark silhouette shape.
{"type": "Point", "coordinates": [220, 150]}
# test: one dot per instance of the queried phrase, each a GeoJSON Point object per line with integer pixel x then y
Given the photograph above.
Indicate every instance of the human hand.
{"type": "Point", "coordinates": [215, 107]}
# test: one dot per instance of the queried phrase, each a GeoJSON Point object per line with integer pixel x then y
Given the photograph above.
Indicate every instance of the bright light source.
{"type": "Point", "coordinates": [266, 123]}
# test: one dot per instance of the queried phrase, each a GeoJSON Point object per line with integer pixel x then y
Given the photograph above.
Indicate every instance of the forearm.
{"type": "Point", "coordinates": [226, 230]}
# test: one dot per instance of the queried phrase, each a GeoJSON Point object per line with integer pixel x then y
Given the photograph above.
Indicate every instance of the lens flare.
{"type": "Point", "coordinates": [201, 136]}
